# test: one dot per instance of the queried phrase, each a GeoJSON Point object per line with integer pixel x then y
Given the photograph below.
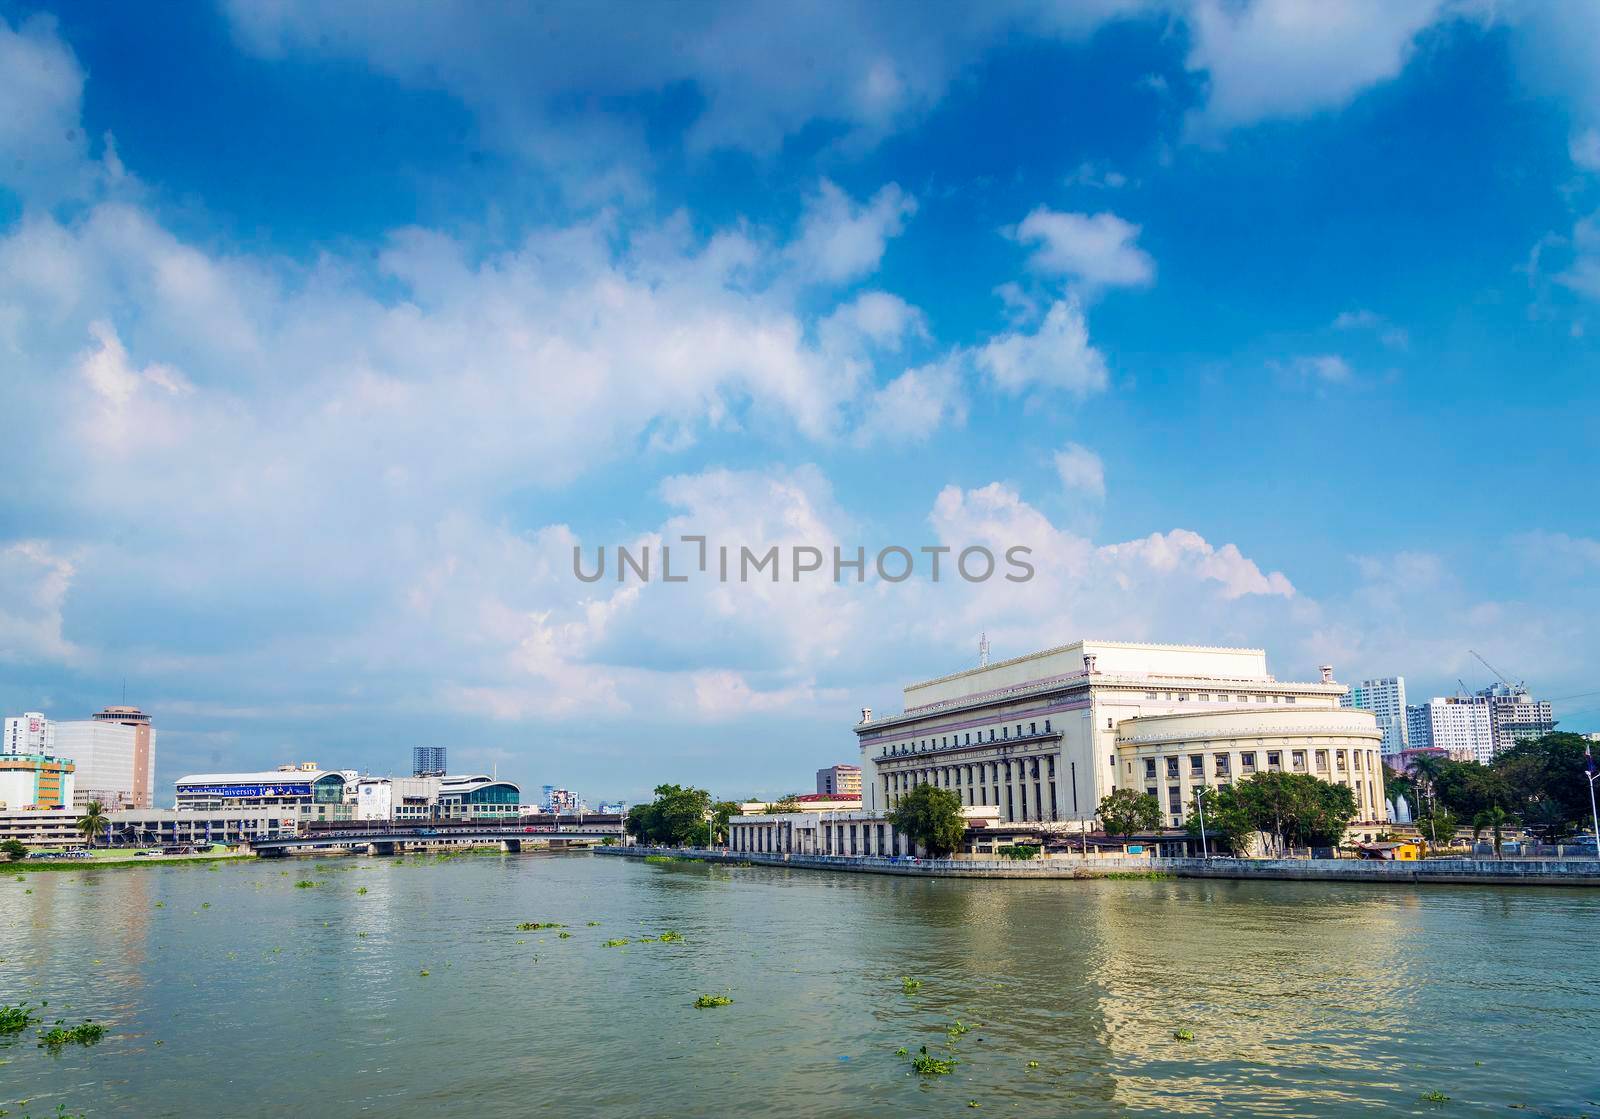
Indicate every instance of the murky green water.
{"type": "Point", "coordinates": [231, 992]}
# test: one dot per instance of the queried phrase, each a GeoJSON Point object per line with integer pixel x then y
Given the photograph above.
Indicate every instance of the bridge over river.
{"type": "Point", "coordinates": [391, 839]}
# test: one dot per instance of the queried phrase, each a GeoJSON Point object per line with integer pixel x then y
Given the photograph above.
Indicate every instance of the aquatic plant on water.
{"type": "Point", "coordinates": [618, 943]}
{"type": "Point", "coordinates": [1183, 1035]}
{"type": "Point", "coordinates": [86, 1033]}
{"type": "Point", "coordinates": [306, 884]}
{"type": "Point", "coordinates": [1434, 1097]}
{"type": "Point", "coordinates": [657, 859]}
{"type": "Point", "coordinates": [909, 985]}
{"type": "Point", "coordinates": [564, 935]}
{"type": "Point", "coordinates": [669, 936]}
{"type": "Point", "coordinates": [929, 1065]}
{"type": "Point", "coordinates": [706, 1002]}
{"type": "Point", "coordinates": [423, 972]}
{"type": "Point", "coordinates": [956, 1029]}
{"type": "Point", "coordinates": [15, 1019]}
{"type": "Point", "coordinates": [529, 926]}
{"type": "Point", "coordinates": [593, 924]}
{"type": "Point", "coordinates": [1033, 1064]}
{"type": "Point", "coordinates": [361, 889]}
{"type": "Point", "coordinates": [902, 1052]}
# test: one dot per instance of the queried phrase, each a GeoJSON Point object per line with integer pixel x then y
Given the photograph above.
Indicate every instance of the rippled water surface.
{"type": "Point", "coordinates": [229, 991]}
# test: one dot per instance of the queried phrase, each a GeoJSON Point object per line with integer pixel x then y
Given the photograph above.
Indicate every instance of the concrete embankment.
{"type": "Point", "coordinates": [1494, 872]}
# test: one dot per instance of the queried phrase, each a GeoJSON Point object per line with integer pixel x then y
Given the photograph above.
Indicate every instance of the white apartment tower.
{"type": "Point", "coordinates": [1386, 699]}
{"type": "Point", "coordinates": [1459, 724]}
{"type": "Point", "coordinates": [30, 733]}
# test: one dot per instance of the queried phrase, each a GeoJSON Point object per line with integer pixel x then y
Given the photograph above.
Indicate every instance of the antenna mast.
{"type": "Point", "coordinates": [983, 650]}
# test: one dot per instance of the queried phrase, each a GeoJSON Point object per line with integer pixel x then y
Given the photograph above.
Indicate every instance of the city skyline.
{"type": "Point", "coordinates": [324, 351]}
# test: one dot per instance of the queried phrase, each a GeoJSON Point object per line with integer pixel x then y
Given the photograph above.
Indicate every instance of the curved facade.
{"type": "Point", "coordinates": [1169, 755]}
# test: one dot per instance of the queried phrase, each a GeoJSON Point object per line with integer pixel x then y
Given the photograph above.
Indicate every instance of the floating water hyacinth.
{"type": "Point", "coordinates": [909, 985]}
{"type": "Point", "coordinates": [618, 943]}
{"type": "Point", "coordinates": [15, 1019]}
{"type": "Point", "coordinates": [529, 926]}
{"type": "Point", "coordinates": [1183, 1035]}
{"type": "Point", "coordinates": [706, 1002]}
{"type": "Point", "coordinates": [929, 1065]}
{"type": "Point", "coordinates": [87, 1033]}
{"type": "Point", "coordinates": [669, 935]}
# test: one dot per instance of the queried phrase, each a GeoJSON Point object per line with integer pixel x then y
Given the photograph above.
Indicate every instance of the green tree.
{"type": "Point", "coordinates": [14, 850]}
{"type": "Point", "coordinates": [932, 817]}
{"type": "Point", "coordinates": [721, 813]}
{"type": "Point", "coordinates": [1126, 812]}
{"type": "Point", "coordinates": [1298, 809]}
{"type": "Point", "coordinates": [1494, 820]}
{"type": "Point", "coordinates": [93, 822]}
{"type": "Point", "coordinates": [1545, 779]}
{"type": "Point", "coordinates": [676, 817]}
{"type": "Point", "coordinates": [1228, 826]}
{"type": "Point", "coordinates": [1437, 824]}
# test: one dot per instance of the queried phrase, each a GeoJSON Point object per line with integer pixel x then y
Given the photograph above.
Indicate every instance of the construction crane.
{"type": "Point", "coordinates": [1515, 687]}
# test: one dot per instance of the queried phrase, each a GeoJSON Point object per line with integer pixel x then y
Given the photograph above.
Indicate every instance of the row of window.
{"type": "Point", "coordinates": [1222, 763]}
{"type": "Point", "coordinates": [1220, 697]}
{"type": "Point", "coordinates": [942, 742]}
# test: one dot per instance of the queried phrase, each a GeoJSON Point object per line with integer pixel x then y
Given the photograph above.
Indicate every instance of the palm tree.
{"type": "Point", "coordinates": [93, 822]}
{"type": "Point", "coordinates": [1494, 819]}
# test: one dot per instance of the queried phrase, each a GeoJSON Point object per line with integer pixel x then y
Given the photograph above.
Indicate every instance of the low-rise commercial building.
{"type": "Point", "coordinates": [34, 781]}
{"type": "Point", "coordinates": [44, 827]}
{"type": "Point", "coordinates": [306, 792]}
{"type": "Point", "coordinates": [168, 827]}
{"type": "Point", "coordinates": [469, 797]}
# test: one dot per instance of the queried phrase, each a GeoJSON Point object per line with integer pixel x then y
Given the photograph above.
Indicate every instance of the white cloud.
{"type": "Point", "coordinates": [914, 406]}
{"type": "Point", "coordinates": [1081, 470]}
{"type": "Point", "coordinates": [1328, 369]}
{"type": "Point", "coordinates": [1097, 249]}
{"type": "Point", "coordinates": [840, 240]}
{"type": "Point", "coordinates": [1394, 337]}
{"type": "Point", "coordinates": [34, 582]}
{"type": "Point", "coordinates": [1582, 275]}
{"type": "Point", "coordinates": [1274, 59]}
{"type": "Point", "coordinates": [1055, 355]}
{"type": "Point", "coordinates": [43, 152]}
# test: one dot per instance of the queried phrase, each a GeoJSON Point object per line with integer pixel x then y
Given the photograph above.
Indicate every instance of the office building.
{"type": "Point", "coordinates": [1459, 725]}
{"type": "Point", "coordinates": [1386, 699]}
{"type": "Point", "coordinates": [115, 754]}
{"type": "Point", "coordinates": [553, 800]}
{"type": "Point", "coordinates": [842, 781]}
{"type": "Point", "coordinates": [34, 781]}
{"type": "Point", "coordinates": [428, 761]}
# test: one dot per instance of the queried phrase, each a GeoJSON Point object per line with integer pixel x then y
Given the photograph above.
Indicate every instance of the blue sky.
{"type": "Point", "coordinates": [326, 332]}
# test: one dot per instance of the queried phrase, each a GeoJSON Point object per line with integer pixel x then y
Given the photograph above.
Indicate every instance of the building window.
{"type": "Point", "coordinates": [1047, 726]}
{"type": "Point", "coordinates": [1197, 765]}
{"type": "Point", "coordinates": [1247, 761]}
{"type": "Point", "coordinates": [1172, 767]}
{"type": "Point", "coordinates": [1274, 760]}
{"type": "Point", "coordinates": [1149, 769]}
{"type": "Point", "coordinates": [1174, 799]}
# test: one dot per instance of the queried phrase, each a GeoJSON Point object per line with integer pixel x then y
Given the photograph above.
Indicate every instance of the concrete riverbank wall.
{"type": "Point", "coordinates": [1494, 872]}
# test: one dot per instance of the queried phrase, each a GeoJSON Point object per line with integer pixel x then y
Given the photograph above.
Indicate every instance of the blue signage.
{"type": "Point", "coordinates": [295, 790]}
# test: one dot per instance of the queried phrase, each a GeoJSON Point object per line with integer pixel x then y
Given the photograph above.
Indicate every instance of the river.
{"type": "Point", "coordinates": [403, 987]}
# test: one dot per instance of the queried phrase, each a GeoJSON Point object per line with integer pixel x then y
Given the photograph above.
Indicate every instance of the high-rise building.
{"type": "Point", "coordinates": [115, 754]}
{"type": "Point", "coordinates": [1385, 698]}
{"type": "Point", "coordinates": [1459, 725]}
{"type": "Point", "coordinates": [31, 733]}
{"type": "Point", "coordinates": [843, 781]}
{"type": "Point", "coordinates": [1514, 714]}
{"type": "Point", "coordinates": [428, 761]}
{"type": "Point", "coordinates": [560, 800]}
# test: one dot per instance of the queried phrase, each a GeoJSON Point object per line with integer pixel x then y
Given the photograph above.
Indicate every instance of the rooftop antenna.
{"type": "Point", "coordinates": [983, 650]}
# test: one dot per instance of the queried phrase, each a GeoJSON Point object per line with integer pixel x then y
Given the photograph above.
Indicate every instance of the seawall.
{"type": "Point", "coordinates": [1491, 872]}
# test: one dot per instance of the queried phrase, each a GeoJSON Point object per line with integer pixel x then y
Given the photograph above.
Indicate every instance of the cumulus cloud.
{"type": "Point", "coordinates": [1055, 354]}
{"type": "Point", "coordinates": [841, 240]}
{"type": "Point", "coordinates": [1097, 249]}
{"type": "Point", "coordinates": [1274, 59]}
{"type": "Point", "coordinates": [914, 406]}
{"type": "Point", "coordinates": [43, 152]}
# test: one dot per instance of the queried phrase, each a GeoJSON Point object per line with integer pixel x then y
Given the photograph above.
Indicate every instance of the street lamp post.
{"type": "Point", "coordinates": [1592, 774]}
